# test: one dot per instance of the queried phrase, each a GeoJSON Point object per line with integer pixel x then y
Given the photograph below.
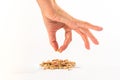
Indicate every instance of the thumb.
{"type": "Point", "coordinates": [52, 40]}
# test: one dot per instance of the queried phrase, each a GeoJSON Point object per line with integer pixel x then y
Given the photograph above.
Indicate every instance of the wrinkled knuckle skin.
{"type": "Point", "coordinates": [52, 42]}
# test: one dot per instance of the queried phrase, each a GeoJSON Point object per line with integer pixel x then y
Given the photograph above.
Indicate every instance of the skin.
{"type": "Point", "coordinates": [56, 18]}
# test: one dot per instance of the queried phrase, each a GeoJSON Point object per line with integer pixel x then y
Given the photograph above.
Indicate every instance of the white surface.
{"type": "Point", "coordinates": [24, 41]}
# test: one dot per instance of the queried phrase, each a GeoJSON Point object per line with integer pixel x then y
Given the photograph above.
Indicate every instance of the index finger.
{"type": "Point", "coordinates": [68, 38]}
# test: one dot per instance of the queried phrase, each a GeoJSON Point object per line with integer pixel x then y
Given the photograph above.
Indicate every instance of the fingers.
{"type": "Point", "coordinates": [90, 35]}
{"type": "Point", "coordinates": [88, 26]}
{"type": "Point", "coordinates": [74, 23]}
{"type": "Point", "coordinates": [85, 39]}
{"type": "Point", "coordinates": [52, 39]}
{"type": "Point", "coordinates": [68, 38]}
{"type": "Point", "coordinates": [80, 27]}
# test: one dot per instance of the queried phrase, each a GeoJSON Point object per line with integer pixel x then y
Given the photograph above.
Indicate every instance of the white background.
{"type": "Point", "coordinates": [24, 41]}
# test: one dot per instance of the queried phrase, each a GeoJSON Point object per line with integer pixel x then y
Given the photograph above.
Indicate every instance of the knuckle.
{"type": "Point", "coordinates": [52, 42]}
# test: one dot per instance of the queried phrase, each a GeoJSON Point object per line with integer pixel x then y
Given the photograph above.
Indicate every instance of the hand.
{"type": "Point", "coordinates": [55, 18]}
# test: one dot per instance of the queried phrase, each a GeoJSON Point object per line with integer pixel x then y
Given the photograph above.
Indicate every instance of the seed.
{"type": "Point", "coordinates": [58, 64]}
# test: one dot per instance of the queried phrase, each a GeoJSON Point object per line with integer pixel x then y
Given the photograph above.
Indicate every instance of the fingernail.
{"type": "Point", "coordinates": [59, 50]}
{"type": "Point", "coordinates": [96, 42]}
{"type": "Point", "coordinates": [87, 46]}
{"type": "Point", "coordinates": [101, 28]}
{"type": "Point", "coordinates": [55, 50]}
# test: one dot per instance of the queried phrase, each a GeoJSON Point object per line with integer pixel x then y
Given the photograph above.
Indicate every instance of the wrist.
{"type": "Point", "coordinates": [48, 7]}
{"type": "Point", "coordinates": [45, 4]}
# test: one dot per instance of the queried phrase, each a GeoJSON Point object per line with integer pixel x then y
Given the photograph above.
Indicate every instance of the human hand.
{"type": "Point", "coordinates": [55, 18]}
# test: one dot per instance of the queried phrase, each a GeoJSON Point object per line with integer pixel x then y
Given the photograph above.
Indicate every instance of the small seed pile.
{"type": "Point", "coordinates": [58, 64]}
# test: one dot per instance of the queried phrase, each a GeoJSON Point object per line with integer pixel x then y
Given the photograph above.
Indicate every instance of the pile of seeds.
{"type": "Point", "coordinates": [58, 64]}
